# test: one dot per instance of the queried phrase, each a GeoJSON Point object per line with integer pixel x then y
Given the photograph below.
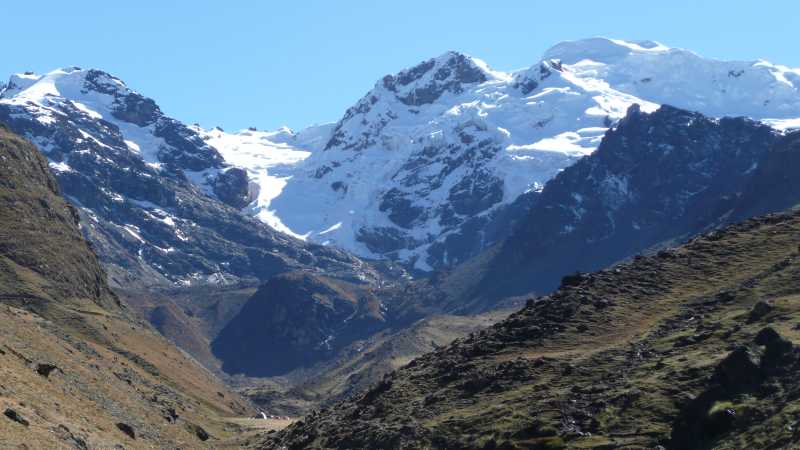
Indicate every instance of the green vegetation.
{"type": "Point", "coordinates": [693, 348]}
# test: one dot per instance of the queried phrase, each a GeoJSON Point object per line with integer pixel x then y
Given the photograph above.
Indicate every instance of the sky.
{"type": "Point", "coordinates": [266, 64]}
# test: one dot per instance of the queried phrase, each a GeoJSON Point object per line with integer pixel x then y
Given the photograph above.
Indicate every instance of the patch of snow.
{"type": "Point", "coordinates": [60, 167]}
{"type": "Point", "coordinates": [89, 112]}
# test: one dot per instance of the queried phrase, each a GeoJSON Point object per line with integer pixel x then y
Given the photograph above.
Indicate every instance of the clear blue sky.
{"type": "Point", "coordinates": [268, 63]}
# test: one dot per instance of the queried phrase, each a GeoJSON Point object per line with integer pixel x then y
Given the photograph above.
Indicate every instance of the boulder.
{"type": "Point", "coordinates": [15, 416]}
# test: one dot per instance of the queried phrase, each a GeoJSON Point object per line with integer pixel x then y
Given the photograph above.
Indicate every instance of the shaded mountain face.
{"type": "Point", "coordinates": [773, 186]}
{"type": "Point", "coordinates": [159, 204]}
{"type": "Point", "coordinates": [442, 160]}
{"type": "Point", "coordinates": [78, 370]}
{"type": "Point", "coordinates": [694, 348]}
{"type": "Point", "coordinates": [39, 233]}
{"type": "Point", "coordinates": [296, 320]}
{"type": "Point", "coordinates": [364, 363]}
{"type": "Point", "coordinates": [656, 178]}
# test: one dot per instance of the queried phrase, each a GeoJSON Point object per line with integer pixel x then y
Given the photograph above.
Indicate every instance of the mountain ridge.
{"type": "Point", "coordinates": [434, 189]}
{"type": "Point", "coordinates": [152, 194]}
{"type": "Point", "coordinates": [537, 120]}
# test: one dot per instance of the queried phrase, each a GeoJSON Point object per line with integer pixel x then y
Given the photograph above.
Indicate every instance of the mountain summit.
{"type": "Point", "coordinates": [158, 202]}
{"type": "Point", "coordinates": [440, 161]}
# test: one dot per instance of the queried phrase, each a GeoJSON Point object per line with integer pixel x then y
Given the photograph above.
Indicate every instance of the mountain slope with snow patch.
{"type": "Point", "coordinates": [439, 161]}
{"type": "Point", "coordinates": [159, 204]}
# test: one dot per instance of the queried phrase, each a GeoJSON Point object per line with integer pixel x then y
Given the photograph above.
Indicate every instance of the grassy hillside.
{"type": "Point", "coordinates": [77, 370]}
{"type": "Point", "coordinates": [693, 348]}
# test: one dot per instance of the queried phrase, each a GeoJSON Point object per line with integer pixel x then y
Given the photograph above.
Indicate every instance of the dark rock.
{"type": "Point", "coordinates": [739, 370]}
{"type": "Point", "coordinates": [15, 416]}
{"type": "Point", "coordinates": [198, 431]}
{"type": "Point", "coordinates": [666, 254]}
{"type": "Point", "coordinates": [773, 185]}
{"type": "Point", "coordinates": [778, 352]}
{"type": "Point", "coordinates": [455, 72]}
{"type": "Point", "coordinates": [170, 414]}
{"type": "Point", "coordinates": [384, 239]}
{"type": "Point", "coordinates": [136, 109]}
{"type": "Point", "coordinates": [602, 304]}
{"type": "Point", "coordinates": [572, 280]}
{"type": "Point", "coordinates": [476, 193]}
{"type": "Point", "coordinates": [401, 209]}
{"type": "Point", "coordinates": [65, 434]}
{"type": "Point", "coordinates": [127, 429]}
{"type": "Point", "coordinates": [232, 186]}
{"type": "Point", "coordinates": [45, 369]}
{"type": "Point", "coordinates": [760, 310]}
{"type": "Point", "coordinates": [726, 296]}
{"type": "Point", "coordinates": [769, 337]}
{"type": "Point", "coordinates": [527, 86]}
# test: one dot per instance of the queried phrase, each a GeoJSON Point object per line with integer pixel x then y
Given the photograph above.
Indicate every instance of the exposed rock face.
{"type": "Point", "coordinates": [773, 185]}
{"type": "Point", "coordinates": [296, 320]}
{"type": "Point", "coordinates": [433, 78]}
{"type": "Point", "coordinates": [154, 197]}
{"type": "Point", "coordinates": [233, 187]}
{"type": "Point", "coordinates": [655, 178]}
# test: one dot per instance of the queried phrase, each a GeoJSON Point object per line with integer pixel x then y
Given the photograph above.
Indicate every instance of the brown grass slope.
{"type": "Point", "coordinates": [76, 369]}
{"type": "Point", "coordinates": [694, 348]}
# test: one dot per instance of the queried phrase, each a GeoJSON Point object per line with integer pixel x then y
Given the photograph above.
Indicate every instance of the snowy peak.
{"type": "Point", "coordinates": [431, 165]}
{"type": "Point", "coordinates": [426, 88]}
{"type": "Point", "coordinates": [427, 81]}
{"type": "Point", "coordinates": [66, 82]}
{"type": "Point", "coordinates": [90, 90]}
{"type": "Point", "coordinates": [602, 50]}
{"type": "Point", "coordinates": [425, 165]}
{"type": "Point", "coordinates": [106, 112]}
{"type": "Point", "coordinates": [17, 83]}
{"type": "Point", "coordinates": [679, 77]}
{"type": "Point", "coordinates": [162, 205]}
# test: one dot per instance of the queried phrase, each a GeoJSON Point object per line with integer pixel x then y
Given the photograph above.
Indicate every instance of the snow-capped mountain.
{"type": "Point", "coordinates": [438, 161]}
{"type": "Point", "coordinates": [433, 165]}
{"type": "Point", "coordinates": [159, 204]}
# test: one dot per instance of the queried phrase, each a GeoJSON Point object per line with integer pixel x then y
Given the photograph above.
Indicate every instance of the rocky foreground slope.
{"type": "Point", "coordinates": [76, 369]}
{"type": "Point", "coordinates": [693, 348]}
